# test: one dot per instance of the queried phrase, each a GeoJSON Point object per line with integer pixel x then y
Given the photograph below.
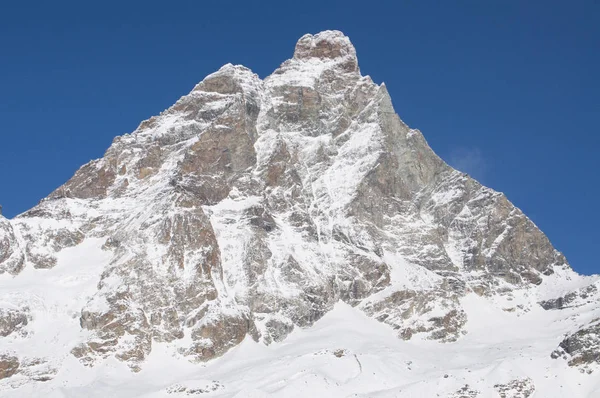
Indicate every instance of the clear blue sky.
{"type": "Point", "coordinates": [508, 91]}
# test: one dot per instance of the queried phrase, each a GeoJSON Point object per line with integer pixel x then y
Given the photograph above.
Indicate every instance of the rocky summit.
{"type": "Point", "coordinates": [283, 237]}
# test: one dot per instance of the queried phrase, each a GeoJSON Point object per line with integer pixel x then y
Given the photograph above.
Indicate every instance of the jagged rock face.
{"type": "Point", "coordinates": [404, 310]}
{"type": "Point", "coordinates": [580, 347]}
{"type": "Point", "coordinates": [251, 206]}
{"type": "Point", "coordinates": [587, 295]}
{"type": "Point", "coordinates": [583, 346]}
{"type": "Point", "coordinates": [11, 255]}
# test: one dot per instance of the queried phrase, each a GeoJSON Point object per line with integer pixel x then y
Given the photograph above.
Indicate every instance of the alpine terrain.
{"type": "Point", "coordinates": [287, 237]}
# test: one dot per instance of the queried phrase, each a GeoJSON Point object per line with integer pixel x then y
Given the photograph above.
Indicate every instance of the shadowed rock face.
{"type": "Point", "coordinates": [251, 206]}
{"type": "Point", "coordinates": [9, 366]}
{"type": "Point", "coordinates": [581, 348]}
{"type": "Point", "coordinates": [586, 295]}
{"type": "Point", "coordinates": [11, 255]}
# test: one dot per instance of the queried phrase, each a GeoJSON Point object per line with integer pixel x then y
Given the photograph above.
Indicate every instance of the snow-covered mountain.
{"type": "Point", "coordinates": [285, 237]}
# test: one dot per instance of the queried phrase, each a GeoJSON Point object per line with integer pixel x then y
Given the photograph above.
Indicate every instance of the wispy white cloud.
{"type": "Point", "coordinates": [470, 161]}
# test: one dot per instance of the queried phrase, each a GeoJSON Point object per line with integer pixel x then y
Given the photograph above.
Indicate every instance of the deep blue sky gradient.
{"type": "Point", "coordinates": [508, 91]}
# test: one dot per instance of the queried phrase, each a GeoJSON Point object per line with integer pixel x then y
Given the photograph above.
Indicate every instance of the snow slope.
{"type": "Point", "coordinates": [347, 354]}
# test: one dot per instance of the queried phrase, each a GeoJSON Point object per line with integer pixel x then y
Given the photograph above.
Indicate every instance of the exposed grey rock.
{"type": "Point", "coordinates": [408, 312]}
{"type": "Point", "coordinates": [518, 388]}
{"type": "Point", "coordinates": [11, 255]}
{"type": "Point", "coordinates": [580, 297]}
{"type": "Point", "coordinates": [9, 366]}
{"type": "Point", "coordinates": [13, 321]}
{"type": "Point", "coordinates": [581, 348]}
{"type": "Point", "coordinates": [465, 392]}
{"type": "Point", "coordinates": [28, 369]}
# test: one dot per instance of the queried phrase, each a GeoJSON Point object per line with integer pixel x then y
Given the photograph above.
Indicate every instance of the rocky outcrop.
{"type": "Point", "coordinates": [13, 321]}
{"type": "Point", "coordinates": [12, 259]}
{"type": "Point", "coordinates": [9, 366]}
{"type": "Point", "coordinates": [411, 312]}
{"type": "Point", "coordinates": [587, 295]}
{"type": "Point", "coordinates": [26, 369]}
{"type": "Point", "coordinates": [465, 392]}
{"type": "Point", "coordinates": [581, 348]}
{"type": "Point", "coordinates": [518, 388]}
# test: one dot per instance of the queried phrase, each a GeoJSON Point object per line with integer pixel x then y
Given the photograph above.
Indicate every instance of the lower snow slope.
{"type": "Point", "coordinates": [347, 354]}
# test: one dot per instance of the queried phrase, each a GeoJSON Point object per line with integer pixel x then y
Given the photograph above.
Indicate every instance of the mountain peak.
{"type": "Point", "coordinates": [227, 80]}
{"type": "Point", "coordinates": [251, 208]}
{"type": "Point", "coordinates": [327, 45]}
